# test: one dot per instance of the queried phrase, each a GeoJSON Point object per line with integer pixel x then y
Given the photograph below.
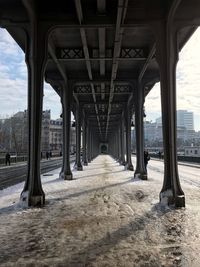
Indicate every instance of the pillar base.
{"type": "Point", "coordinates": [66, 176]}
{"type": "Point", "coordinates": [167, 198]}
{"type": "Point", "coordinates": [27, 200]}
{"type": "Point", "coordinates": [78, 167]}
{"type": "Point", "coordinates": [180, 201]}
{"type": "Point", "coordinates": [85, 163]}
{"type": "Point", "coordinates": [141, 176]}
{"type": "Point", "coordinates": [129, 167]}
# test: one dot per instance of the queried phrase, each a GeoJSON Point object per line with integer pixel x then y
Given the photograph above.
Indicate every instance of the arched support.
{"type": "Point", "coordinates": [36, 56]}
{"type": "Point", "coordinates": [129, 165]}
{"type": "Point", "coordinates": [167, 56]}
{"type": "Point", "coordinates": [140, 171]}
{"type": "Point", "coordinates": [66, 173]}
{"type": "Point", "coordinates": [78, 164]}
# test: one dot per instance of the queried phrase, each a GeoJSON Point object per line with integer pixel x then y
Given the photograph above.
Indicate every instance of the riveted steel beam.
{"type": "Point", "coordinates": [86, 53]}
{"type": "Point", "coordinates": [121, 14]}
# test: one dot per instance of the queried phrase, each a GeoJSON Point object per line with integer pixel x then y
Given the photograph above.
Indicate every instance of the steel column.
{"type": "Point", "coordinates": [32, 194]}
{"type": "Point", "coordinates": [85, 160]}
{"type": "Point", "coordinates": [167, 56]}
{"type": "Point", "coordinates": [140, 171]}
{"type": "Point", "coordinates": [66, 173]}
{"type": "Point", "coordinates": [78, 164]}
{"type": "Point", "coordinates": [88, 142]}
{"type": "Point", "coordinates": [129, 165]}
{"type": "Point", "coordinates": [92, 146]}
{"type": "Point", "coordinates": [122, 141]}
{"type": "Point", "coordinates": [119, 144]}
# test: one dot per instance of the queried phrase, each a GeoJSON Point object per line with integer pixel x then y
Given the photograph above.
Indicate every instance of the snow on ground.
{"type": "Point", "coordinates": [102, 218]}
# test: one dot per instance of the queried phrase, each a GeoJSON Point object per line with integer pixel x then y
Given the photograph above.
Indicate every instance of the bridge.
{"type": "Point", "coordinates": [102, 58]}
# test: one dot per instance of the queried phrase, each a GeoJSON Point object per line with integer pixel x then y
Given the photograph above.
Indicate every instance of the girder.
{"type": "Point", "coordinates": [101, 54]}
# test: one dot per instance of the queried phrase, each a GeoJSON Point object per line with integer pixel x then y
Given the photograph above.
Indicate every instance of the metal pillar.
{"type": "Point", "coordinates": [36, 55]}
{"type": "Point", "coordinates": [78, 164]}
{"type": "Point", "coordinates": [63, 139]}
{"type": "Point", "coordinates": [167, 56]}
{"type": "Point", "coordinates": [129, 165]}
{"type": "Point", "coordinates": [88, 142]}
{"type": "Point", "coordinates": [114, 146]}
{"type": "Point", "coordinates": [122, 142]}
{"type": "Point", "coordinates": [85, 127]}
{"type": "Point", "coordinates": [96, 147]}
{"type": "Point", "coordinates": [28, 64]}
{"type": "Point", "coordinates": [140, 171]}
{"type": "Point", "coordinates": [66, 173]}
{"type": "Point", "coordinates": [119, 144]}
{"type": "Point", "coordinates": [92, 146]}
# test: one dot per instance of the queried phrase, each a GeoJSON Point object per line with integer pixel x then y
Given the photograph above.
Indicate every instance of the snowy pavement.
{"type": "Point", "coordinates": [102, 218]}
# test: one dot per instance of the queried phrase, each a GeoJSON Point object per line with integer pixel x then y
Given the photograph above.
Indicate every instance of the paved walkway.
{"type": "Point", "coordinates": [101, 218]}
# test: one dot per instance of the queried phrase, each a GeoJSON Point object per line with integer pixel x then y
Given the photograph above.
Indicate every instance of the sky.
{"type": "Point", "coordinates": [13, 82]}
{"type": "Point", "coordinates": [187, 83]}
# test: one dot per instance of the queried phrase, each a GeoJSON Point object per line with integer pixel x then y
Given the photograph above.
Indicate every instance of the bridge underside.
{"type": "Point", "coordinates": [102, 58]}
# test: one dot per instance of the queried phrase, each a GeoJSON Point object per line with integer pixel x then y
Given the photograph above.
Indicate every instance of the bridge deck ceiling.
{"type": "Point", "coordinates": [99, 47]}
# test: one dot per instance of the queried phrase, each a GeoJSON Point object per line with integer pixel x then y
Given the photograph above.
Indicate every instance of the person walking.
{"type": "Point", "coordinates": [146, 158]}
{"type": "Point", "coordinates": [7, 158]}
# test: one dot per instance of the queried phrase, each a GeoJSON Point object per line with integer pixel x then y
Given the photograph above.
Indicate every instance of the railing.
{"type": "Point", "coordinates": [17, 173]}
{"type": "Point", "coordinates": [15, 159]}
{"type": "Point", "coordinates": [180, 158]}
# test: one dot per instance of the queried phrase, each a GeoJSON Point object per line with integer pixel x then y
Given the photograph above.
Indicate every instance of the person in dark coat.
{"type": "Point", "coordinates": [7, 158]}
{"type": "Point", "coordinates": [146, 158]}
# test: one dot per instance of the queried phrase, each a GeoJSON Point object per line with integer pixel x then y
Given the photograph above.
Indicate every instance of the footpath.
{"type": "Point", "coordinates": [103, 217]}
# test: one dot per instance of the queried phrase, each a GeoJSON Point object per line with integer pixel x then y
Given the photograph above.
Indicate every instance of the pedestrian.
{"type": "Point", "coordinates": [146, 158]}
{"type": "Point", "coordinates": [47, 155]}
{"type": "Point", "coordinates": [159, 154]}
{"type": "Point", "coordinates": [7, 158]}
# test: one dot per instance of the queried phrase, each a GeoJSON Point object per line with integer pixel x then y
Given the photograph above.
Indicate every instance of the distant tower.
{"type": "Point", "coordinates": [185, 119]}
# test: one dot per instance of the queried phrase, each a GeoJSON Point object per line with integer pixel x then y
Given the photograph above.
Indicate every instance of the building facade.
{"type": "Point", "coordinates": [55, 135]}
{"type": "Point", "coordinates": [185, 119]}
{"type": "Point", "coordinates": [192, 151]}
